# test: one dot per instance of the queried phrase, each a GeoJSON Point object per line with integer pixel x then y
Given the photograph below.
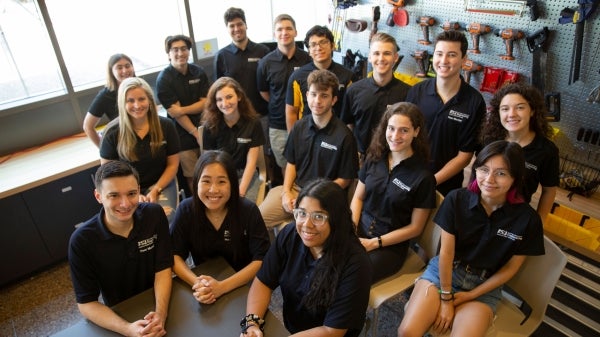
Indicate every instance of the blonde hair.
{"type": "Point", "coordinates": [127, 136]}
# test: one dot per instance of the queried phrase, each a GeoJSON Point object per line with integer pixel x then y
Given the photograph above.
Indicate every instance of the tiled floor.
{"type": "Point", "coordinates": [40, 305]}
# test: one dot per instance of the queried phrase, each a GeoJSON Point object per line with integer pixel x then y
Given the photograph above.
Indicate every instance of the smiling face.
{"type": "Point", "coordinates": [313, 236]}
{"type": "Point", "coordinates": [494, 179]}
{"type": "Point", "coordinates": [137, 104]}
{"type": "Point", "coordinates": [320, 102]}
{"type": "Point", "coordinates": [400, 134]}
{"type": "Point", "coordinates": [383, 56]}
{"type": "Point", "coordinates": [227, 101]}
{"type": "Point", "coordinates": [447, 59]}
{"type": "Point", "coordinates": [237, 30]}
{"type": "Point", "coordinates": [285, 33]}
{"type": "Point", "coordinates": [515, 113]}
{"type": "Point", "coordinates": [214, 188]}
{"type": "Point", "coordinates": [320, 49]}
{"type": "Point", "coordinates": [179, 54]}
{"type": "Point", "coordinates": [122, 70]}
{"type": "Point", "coordinates": [119, 197]}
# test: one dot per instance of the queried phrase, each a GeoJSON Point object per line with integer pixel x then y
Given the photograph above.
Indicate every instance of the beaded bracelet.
{"type": "Point", "coordinates": [252, 320]}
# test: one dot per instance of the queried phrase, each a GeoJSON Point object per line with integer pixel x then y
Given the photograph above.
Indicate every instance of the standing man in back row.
{"type": "Point", "coordinates": [274, 71]}
{"type": "Point", "coordinates": [181, 88]}
{"type": "Point", "coordinates": [453, 111]}
{"type": "Point", "coordinates": [319, 41]}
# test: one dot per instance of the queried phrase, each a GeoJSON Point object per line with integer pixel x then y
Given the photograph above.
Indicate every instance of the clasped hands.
{"type": "Point", "coordinates": [207, 289]}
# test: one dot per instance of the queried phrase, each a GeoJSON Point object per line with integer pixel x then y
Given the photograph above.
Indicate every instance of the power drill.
{"type": "Point", "coordinates": [509, 35]}
{"type": "Point", "coordinates": [477, 29]}
{"type": "Point", "coordinates": [421, 57]}
{"type": "Point", "coordinates": [425, 22]}
{"type": "Point", "coordinates": [451, 25]}
{"type": "Point", "coordinates": [470, 67]}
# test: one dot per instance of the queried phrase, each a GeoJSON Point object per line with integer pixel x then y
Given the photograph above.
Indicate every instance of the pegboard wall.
{"type": "Point", "coordinates": [576, 112]}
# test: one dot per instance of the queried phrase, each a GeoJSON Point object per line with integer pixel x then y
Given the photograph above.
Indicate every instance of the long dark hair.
{"type": "Point", "coordinates": [379, 148]}
{"type": "Point", "coordinates": [212, 116]}
{"type": "Point", "coordinates": [332, 199]}
{"type": "Point", "coordinates": [513, 156]}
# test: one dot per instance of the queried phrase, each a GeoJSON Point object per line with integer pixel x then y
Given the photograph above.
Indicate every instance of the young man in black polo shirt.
{"type": "Point", "coordinates": [453, 111]}
{"type": "Point", "coordinates": [367, 99]}
{"type": "Point", "coordinates": [181, 88]}
{"type": "Point", "coordinates": [319, 41]}
{"type": "Point", "coordinates": [319, 146]}
{"type": "Point", "coordinates": [120, 252]}
{"type": "Point", "coordinates": [274, 71]}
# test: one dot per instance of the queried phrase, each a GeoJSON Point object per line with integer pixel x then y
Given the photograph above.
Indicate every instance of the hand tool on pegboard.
{"type": "Point", "coordinates": [425, 22]}
{"type": "Point", "coordinates": [477, 29]}
{"type": "Point", "coordinates": [537, 43]}
{"type": "Point", "coordinates": [534, 10]}
{"type": "Point", "coordinates": [421, 57]}
{"type": "Point", "coordinates": [375, 20]}
{"type": "Point", "coordinates": [451, 25]}
{"type": "Point", "coordinates": [486, 6]}
{"type": "Point", "coordinates": [509, 36]}
{"type": "Point", "coordinates": [578, 17]}
{"type": "Point", "coordinates": [469, 67]}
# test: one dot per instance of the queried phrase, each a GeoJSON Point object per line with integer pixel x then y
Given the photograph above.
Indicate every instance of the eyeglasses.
{"type": "Point", "coordinates": [485, 172]}
{"type": "Point", "coordinates": [317, 218]}
{"type": "Point", "coordinates": [321, 44]}
{"type": "Point", "coordinates": [179, 49]}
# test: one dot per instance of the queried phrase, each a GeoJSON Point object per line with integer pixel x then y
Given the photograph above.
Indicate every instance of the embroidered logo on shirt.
{"type": "Point", "coordinates": [400, 184]}
{"type": "Point", "coordinates": [147, 244]}
{"type": "Point", "coordinates": [197, 80]}
{"type": "Point", "coordinates": [253, 59]}
{"type": "Point", "coordinates": [530, 166]}
{"type": "Point", "coordinates": [241, 140]}
{"type": "Point", "coordinates": [457, 116]}
{"type": "Point", "coordinates": [511, 236]}
{"type": "Point", "coordinates": [328, 146]}
{"type": "Point", "coordinates": [226, 236]}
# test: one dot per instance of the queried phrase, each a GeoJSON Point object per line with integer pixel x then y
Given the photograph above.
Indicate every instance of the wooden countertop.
{"type": "Point", "coordinates": [36, 166]}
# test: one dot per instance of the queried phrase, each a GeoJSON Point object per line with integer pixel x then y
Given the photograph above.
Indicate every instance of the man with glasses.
{"type": "Point", "coordinates": [319, 41]}
{"type": "Point", "coordinates": [181, 89]}
{"type": "Point", "coordinates": [273, 73]}
{"type": "Point", "coordinates": [319, 146]}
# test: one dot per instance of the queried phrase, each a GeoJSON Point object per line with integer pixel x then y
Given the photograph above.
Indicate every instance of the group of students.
{"type": "Point", "coordinates": [401, 142]}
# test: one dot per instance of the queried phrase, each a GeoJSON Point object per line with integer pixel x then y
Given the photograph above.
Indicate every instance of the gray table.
{"type": "Point", "coordinates": [187, 317]}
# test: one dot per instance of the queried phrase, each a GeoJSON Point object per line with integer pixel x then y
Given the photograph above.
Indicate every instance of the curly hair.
{"type": "Point", "coordinates": [492, 126]}
{"type": "Point", "coordinates": [212, 116]}
{"type": "Point", "coordinates": [379, 148]}
{"type": "Point", "coordinates": [332, 198]}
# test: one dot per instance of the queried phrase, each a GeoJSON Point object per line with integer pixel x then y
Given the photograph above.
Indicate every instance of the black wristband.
{"type": "Point", "coordinates": [380, 242]}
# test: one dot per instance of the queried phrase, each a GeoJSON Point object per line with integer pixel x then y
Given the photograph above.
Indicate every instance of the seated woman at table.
{"type": "Point", "coordinates": [396, 190]}
{"type": "Point", "coordinates": [120, 67]}
{"type": "Point", "coordinates": [145, 140]}
{"type": "Point", "coordinates": [214, 222]}
{"type": "Point", "coordinates": [487, 232]}
{"type": "Point", "coordinates": [322, 269]}
{"type": "Point", "coordinates": [232, 125]}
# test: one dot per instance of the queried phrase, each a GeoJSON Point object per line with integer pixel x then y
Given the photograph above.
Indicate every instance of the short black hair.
{"type": "Point", "coordinates": [234, 13]}
{"type": "Point", "coordinates": [173, 38]}
{"type": "Point", "coordinates": [114, 168]}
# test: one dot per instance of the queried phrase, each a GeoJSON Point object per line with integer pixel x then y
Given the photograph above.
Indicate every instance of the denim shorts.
{"type": "Point", "coordinates": [462, 281]}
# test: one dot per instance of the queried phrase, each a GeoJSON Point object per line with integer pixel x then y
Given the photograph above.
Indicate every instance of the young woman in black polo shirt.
{"type": "Point", "coordinates": [216, 221]}
{"type": "Point", "coordinates": [487, 232]}
{"type": "Point", "coordinates": [396, 189]}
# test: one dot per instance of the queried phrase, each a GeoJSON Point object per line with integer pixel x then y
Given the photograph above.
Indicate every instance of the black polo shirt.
{"type": "Point", "coordinates": [542, 164]}
{"type": "Point", "coordinates": [290, 265]}
{"type": "Point", "coordinates": [239, 242]}
{"type": "Point", "coordinates": [150, 167]}
{"type": "Point", "coordinates": [236, 140]}
{"type": "Point", "coordinates": [329, 152]}
{"type": "Point", "coordinates": [298, 86]}
{"type": "Point", "coordinates": [118, 267]}
{"type": "Point", "coordinates": [452, 127]}
{"type": "Point", "coordinates": [241, 65]}
{"type": "Point", "coordinates": [105, 103]}
{"type": "Point", "coordinates": [172, 86]}
{"type": "Point", "coordinates": [489, 242]}
{"type": "Point", "coordinates": [272, 75]}
{"type": "Point", "coordinates": [364, 104]}
{"type": "Point", "coordinates": [390, 197]}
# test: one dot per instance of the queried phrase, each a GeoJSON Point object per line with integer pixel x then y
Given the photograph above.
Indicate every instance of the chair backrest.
{"type": "Point", "coordinates": [537, 277]}
{"type": "Point", "coordinates": [429, 240]}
